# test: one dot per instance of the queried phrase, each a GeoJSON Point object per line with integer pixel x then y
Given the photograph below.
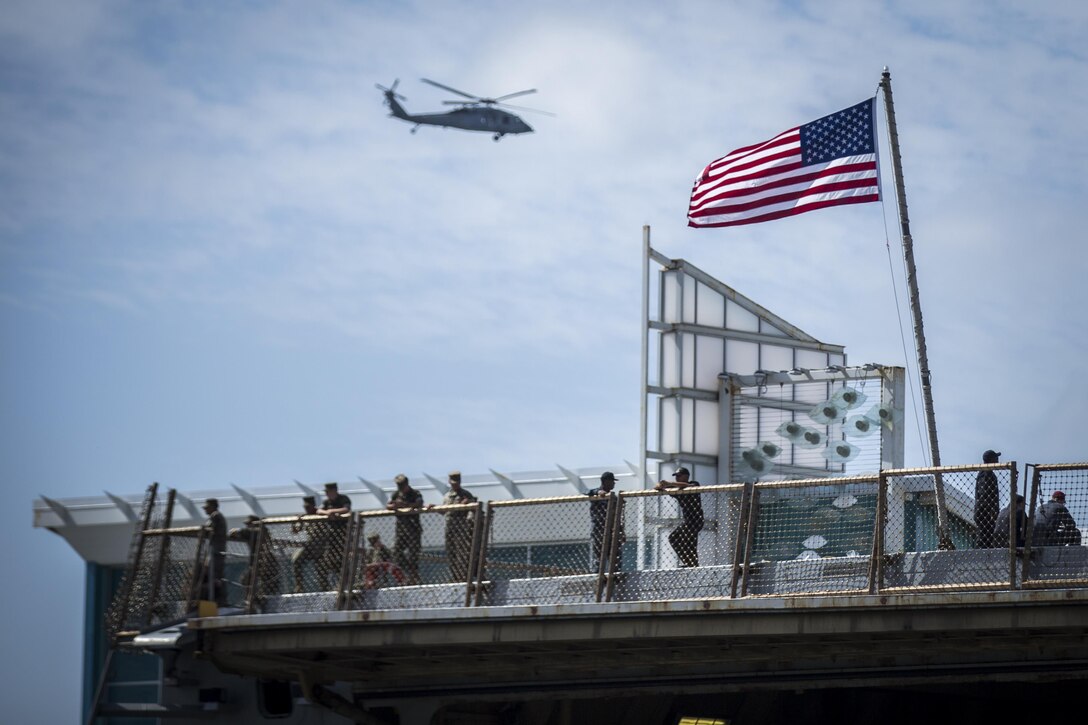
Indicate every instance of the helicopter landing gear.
{"type": "Point", "coordinates": [414, 129]}
{"type": "Point", "coordinates": [496, 137]}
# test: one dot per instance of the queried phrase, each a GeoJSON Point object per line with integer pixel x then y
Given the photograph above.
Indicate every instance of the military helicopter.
{"type": "Point", "coordinates": [476, 114]}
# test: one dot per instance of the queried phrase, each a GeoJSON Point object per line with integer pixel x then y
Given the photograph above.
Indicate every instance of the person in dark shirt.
{"type": "Point", "coordinates": [408, 535]}
{"type": "Point", "coordinates": [685, 537]}
{"type": "Point", "coordinates": [336, 507]}
{"type": "Point", "coordinates": [986, 504]}
{"type": "Point", "coordinates": [216, 526]}
{"type": "Point", "coordinates": [598, 512]}
{"type": "Point", "coordinates": [1054, 525]}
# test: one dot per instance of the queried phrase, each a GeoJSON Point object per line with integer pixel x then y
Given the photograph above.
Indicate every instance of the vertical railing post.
{"type": "Point", "coordinates": [474, 553]}
{"type": "Point", "coordinates": [740, 543]}
{"type": "Point", "coordinates": [346, 584]}
{"type": "Point", "coordinates": [164, 547]}
{"type": "Point", "coordinates": [134, 564]}
{"type": "Point", "coordinates": [750, 538]}
{"type": "Point", "coordinates": [252, 586]}
{"type": "Point", "coordinates": [876, 560]}
{"type": "Point", "coordinates": [604, 555]}
{"type": "Point", "coordinates": [481, 568]}
{"type": "Point", "coordinates": [198, 570]}
{"type": "Point", "coordinates": [1029, 524]}
{"type": "Point", "coordinates": [1012, 524]}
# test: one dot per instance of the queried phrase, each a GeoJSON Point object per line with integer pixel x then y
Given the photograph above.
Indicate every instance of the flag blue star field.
{"type": "Point", "coordinates": [827, 162]}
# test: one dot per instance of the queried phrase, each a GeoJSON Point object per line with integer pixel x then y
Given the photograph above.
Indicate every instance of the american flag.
{"type": "Point", "coordinates": [827, 162]}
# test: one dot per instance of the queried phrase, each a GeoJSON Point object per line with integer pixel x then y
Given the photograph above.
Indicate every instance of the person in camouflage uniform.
{"type": "Point", "coordinates": [336, 506]}
{"type": "Point", "coordinates": [458, 529]}
{"type": "Point", "coordinates": [408, 539]}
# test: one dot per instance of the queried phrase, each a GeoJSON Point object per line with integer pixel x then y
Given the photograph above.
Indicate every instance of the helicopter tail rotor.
{"type": "Point", "coordinates": [391, 92]}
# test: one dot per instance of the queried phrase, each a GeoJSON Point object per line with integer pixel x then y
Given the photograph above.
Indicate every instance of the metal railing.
{"type": "Point", "coordinates": [842, 536]}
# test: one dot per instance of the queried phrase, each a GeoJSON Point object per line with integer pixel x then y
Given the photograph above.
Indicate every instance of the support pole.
{"type": "Point", "coordinates": [640, 545]}
{"type": "Point", "coordinates": [944, 540]}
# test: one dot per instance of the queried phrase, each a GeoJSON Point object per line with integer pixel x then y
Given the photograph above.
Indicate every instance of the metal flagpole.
{"type": "Point", "coordinates": [944, 540]}
{"type": "Point", "coordinates": [643, 423]}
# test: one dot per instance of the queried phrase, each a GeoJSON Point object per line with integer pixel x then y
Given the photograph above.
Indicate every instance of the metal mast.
{"type": "Point", "coordinates": [945, 542]}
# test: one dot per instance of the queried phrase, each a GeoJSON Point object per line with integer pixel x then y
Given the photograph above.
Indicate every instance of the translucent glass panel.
{"type": "Point", "coordinates": [775, 357]}
{"type": "Point", "coordinates": [811, 359]}
{"type": "Point", "coordinates": [670, 360]}
{"type": "Point", "coordinates": [741, 357]}
{"type": "Point", "coordinates": [711, 307]}
{"type": "Point", "coordinates": [738, 318]}
{"type": "Point", "coordinates": [709, 361]}
{"type": "Point", "coordinates": [706, 427]}
{"type": "Point", "coordinates": [671, 289]}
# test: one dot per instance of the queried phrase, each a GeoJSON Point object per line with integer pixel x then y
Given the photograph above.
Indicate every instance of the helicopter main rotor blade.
{"type": "Point", "coordinates": [514, 95]}
{"type": "Point", "coordinates": [531, 110]}
{"type": "Point", "coordinates": [451, 90]}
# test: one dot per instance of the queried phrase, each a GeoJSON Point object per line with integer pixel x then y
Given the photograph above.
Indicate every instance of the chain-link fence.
{"type": "Point", "coordinates": [545, 550]}
{"type": "Point", "coordinates": [949, 528]}
{"type": "Point", "coordinates": [414, 558]}
{"type": "Point", "coordinates": [130, 609]}
{"type": "Point", "coordinates": [297, 563]}
{"type": "Point", "coordinates": [686, 540]}
{"type": "Point", "coordinates": [1056, 520]}
{"type": "Point", "coordinates": [974, 520]}
{"type": "Point", "coordinates": [178, 579]}
{"type": "Point", "coordinates": [810, 537]}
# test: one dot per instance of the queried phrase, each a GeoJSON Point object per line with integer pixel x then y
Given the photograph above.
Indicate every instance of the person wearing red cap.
{"type": "Point", "coordinates": [1054, 525]}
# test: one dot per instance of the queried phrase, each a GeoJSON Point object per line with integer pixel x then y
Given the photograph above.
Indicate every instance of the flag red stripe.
{"type": "Point", "coordinates": [792, 211]}
{"type": "Point", "coordinates": [782, 181]}
{"type": "Point", "coordinates": [792, 196]}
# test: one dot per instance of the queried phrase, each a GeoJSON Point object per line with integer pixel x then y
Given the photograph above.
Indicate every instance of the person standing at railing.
{"type": "Point", "coordinates": [986, 503]}
{"type": "Point", "coordinates": [216, 525]}
{"type": "Point", "coordinates": [336, 507]}
{"type": "Point", "coordinates": [312, 548]}
{"type": "Point", "coordinates": [458, 528]}
{"type": "Point", "coordinates": [598, 513]}
{"type": "Point", "coordinates": [685, 537]}
{"type": "Point", "coordinates": [408, 540]}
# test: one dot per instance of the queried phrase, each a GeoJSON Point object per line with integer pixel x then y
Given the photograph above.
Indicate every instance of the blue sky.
{"type": "Point", "coordinates": [221, 262]}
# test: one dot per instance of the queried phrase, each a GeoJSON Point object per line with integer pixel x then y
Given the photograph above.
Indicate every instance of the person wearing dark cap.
{"type": "Point", "coordinates": [685, 537]}
{"type": "Point", "coordinates": [336, 507]}
{"type": "Point", "coordinates": [598, 513]}
{"type": "Point", "coordinates": [1054, 525]}
{"type": "Point", "coordinates": [216, 526]}
{"type": "Point", "coordinates": [458, 528]}
{"type": "Point", "coordinates": [987, 503]}
{"type": "Point", "coordinates": [312, 548]}
{"type": "Point", "coordinates": [408, 535]}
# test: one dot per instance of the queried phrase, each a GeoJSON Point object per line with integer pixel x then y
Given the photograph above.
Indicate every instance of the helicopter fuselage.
{"type": "Point", "coordinates": [468, 118]}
